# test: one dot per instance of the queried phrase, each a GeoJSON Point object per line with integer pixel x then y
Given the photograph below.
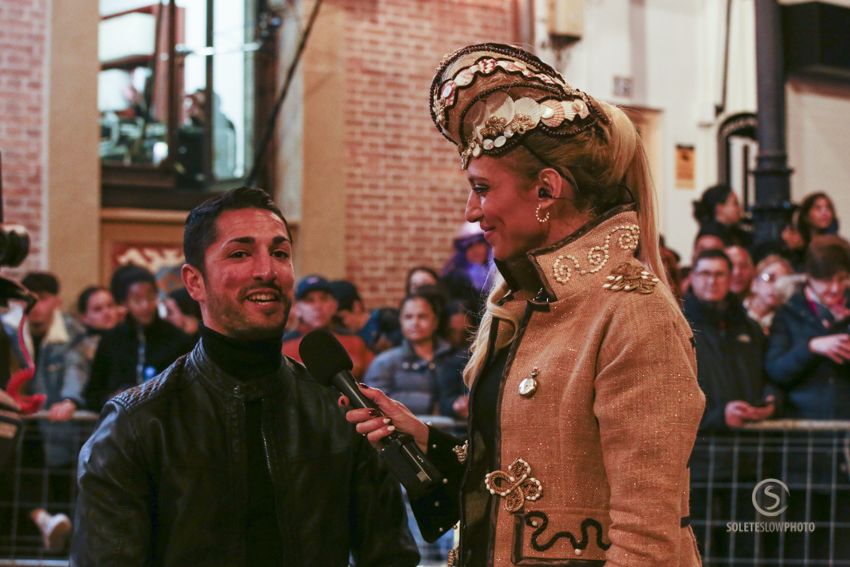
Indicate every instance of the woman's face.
{"type": "Point", "coordinates": [821, 215]}
{"type": "Point", "coordinates": [764, 284]}
{"type": "Point", "coordinates": [504, 206]}
{"type": "Point", "coordinates": [729, 212]}
{"type": "Point", "coordinates": [418, 320]}
{"type": "Point", "coordinates": [101, 313]}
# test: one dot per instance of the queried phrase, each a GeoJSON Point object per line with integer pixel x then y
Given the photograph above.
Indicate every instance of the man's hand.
{"type": "Point", "coordinates": [834, 347]}
{"type": "Point", "coordinates": [62, 411]}
{"type": "Point", "coordinates": [740, 412]}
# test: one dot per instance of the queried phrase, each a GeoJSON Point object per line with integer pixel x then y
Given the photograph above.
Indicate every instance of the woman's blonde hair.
{"type": "Point", "coordinates": [610, 167]}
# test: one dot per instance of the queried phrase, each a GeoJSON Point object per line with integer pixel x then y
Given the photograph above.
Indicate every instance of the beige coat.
{"type": "Point", "coordinates": [608, 431]}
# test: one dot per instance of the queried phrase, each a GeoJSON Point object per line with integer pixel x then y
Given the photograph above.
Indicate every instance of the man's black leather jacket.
{"type": "Point", "coordinates": [163, 479]}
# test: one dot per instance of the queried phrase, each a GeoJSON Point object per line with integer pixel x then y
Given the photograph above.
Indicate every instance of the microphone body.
{"type": "Point", "coordinates": [329, 363]}
{"type": "Point", "coordinates": [401, 453]}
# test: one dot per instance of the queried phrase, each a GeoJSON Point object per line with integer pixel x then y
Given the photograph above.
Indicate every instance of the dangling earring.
{"type": "Point", "coordinates": [537, 214]}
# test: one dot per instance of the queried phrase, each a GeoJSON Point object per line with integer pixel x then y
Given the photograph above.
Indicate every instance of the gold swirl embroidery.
{"type": "Point", "coordinates": [628, 277]}
{"type": "Point", "coordinates": [516, 485]}
{"type": "Point", "coordinates": [597, 256]}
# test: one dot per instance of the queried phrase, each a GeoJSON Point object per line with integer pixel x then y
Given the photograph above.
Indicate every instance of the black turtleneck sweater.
{"type": "Point", "coordinates": [248, 360]}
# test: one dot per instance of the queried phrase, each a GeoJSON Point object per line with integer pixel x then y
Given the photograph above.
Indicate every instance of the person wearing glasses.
{"type": "Point", "coordinates": [807, 357]}
{"type": "Point", "coordinates": [766, 293]}
{"type": "Point", "coordinates": [730, 361]}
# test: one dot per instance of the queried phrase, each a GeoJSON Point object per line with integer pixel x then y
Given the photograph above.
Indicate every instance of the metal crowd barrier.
{"type": "Point", "coordinates": [775, 493]}
{"type": "Point", "coordinates": [29, 483]}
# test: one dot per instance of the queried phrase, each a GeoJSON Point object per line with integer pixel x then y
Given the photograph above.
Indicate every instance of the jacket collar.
{"type": "Point", "coordinates": [57, 333]}
{"type": "Point", "coordinates": [580, 261]}
{"type": "Point", "coordinates": [441, 347]}
{"type": "Point", "coordinates": [208, 371]}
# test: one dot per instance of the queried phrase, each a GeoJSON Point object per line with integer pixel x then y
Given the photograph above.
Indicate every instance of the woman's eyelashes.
{"type": "Point", "coordinates": [480, 189]}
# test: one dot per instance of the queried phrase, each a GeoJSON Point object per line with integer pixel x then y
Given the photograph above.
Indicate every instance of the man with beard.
{"type": "Point", "coordinates": [234, 455]}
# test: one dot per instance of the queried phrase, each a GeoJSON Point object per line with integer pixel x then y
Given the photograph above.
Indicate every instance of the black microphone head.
{"type": "Point", "coordinates": [323, 355]}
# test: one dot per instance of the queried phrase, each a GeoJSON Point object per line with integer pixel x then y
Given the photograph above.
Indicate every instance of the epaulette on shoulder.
{"type": "Point", "coordinates": [631, 277]}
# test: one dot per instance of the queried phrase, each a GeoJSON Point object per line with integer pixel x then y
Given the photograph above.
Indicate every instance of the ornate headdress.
{"type": "Point", "coordinates": [485, 97]}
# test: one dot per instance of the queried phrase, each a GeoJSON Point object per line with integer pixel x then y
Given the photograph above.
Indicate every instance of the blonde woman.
{"type": "Point", "coordinates": [584, 401]}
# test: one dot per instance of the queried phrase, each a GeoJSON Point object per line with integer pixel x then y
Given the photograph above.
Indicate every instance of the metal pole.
{"type": "Point", "coordinates": [772, 174]}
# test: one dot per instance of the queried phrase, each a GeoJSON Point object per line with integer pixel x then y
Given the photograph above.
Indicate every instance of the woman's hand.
{"type": "Point", "coordinates": [390, 416]}
{"type": "Point", "coordinates": [834, 347]}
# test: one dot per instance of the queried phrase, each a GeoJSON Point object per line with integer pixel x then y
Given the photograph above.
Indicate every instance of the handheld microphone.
{"type": "Point", "coordinates": [327, 361]}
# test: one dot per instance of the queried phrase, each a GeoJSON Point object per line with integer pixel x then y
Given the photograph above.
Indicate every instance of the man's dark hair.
{"type": "Point", "coordinates": [85, 295]}
{"type": "Point", "coordinates": [125, 276]}
{"type": "Point", "coordinates": [713, 230]}
{"type": "Point", "coordinates": [41, 282]}
{"type": "Point", "coordinates": [712, 254]}
{"type": "Point", "coordinates": [827, 256]}
{"type": "Point", "coordinates": [199, 232]}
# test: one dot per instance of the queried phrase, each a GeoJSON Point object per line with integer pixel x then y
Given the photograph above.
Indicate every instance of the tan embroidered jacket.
{"type": "Point", "coordinates": [607, 415]}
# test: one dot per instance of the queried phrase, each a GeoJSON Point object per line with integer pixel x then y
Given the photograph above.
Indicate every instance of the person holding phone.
{"type": "Point", "coordinates": [730, 357]}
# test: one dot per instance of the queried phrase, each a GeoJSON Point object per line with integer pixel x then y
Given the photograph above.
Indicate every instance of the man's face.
{"type": "Point", "coordinates": [742, 270]}
{"type": "Point", "coordinates": [141, 302]}
{"type": "Point", "coordinates": [710, 279]}
{"type": "Point", "coordinates": [246, 288]}
{"type": "Point", "coordinates": [316, 309]}
{"type": "Point", "coordinates": [41, 314]}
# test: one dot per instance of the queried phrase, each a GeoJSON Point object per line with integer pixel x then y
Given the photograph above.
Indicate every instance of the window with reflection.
{"type": "Point", "coordinates": [176, 91]}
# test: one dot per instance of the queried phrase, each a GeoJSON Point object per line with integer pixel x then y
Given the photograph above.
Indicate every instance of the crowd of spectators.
{"type": "Point", "coordinates": [771, 341]}
{"type": "Point", "coordinates": [770, 325]}
{"type": "Point", "coordinates": [128, 333]}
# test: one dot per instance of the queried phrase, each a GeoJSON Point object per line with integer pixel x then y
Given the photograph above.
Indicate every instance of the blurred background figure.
{"type": "Point", "coordinates": [52, 352]}
{"type": "Point", "coordinates": [730, 350]}
{"type": "Point", "coordinates": [97, 310]}
{"type": "Point", "coordinates": [315, 307]}
{"type": "Point", "coordinates": [765, 293]}
{"type": "Point", "coordinates": [816, 217]}
{"type": "Point", "coordinates": [140, 347]}
{"type": "Point", "coordinates": [419, 276]}
{"type": "Point", "coordinates": [807, 356]}
{"type": "Point", "coordinates": [378, 328]}
{"type": "Point", "coordinates": [742, 270]}
{"type": "Point", "coordinates": [718, 209]}
{"type": "Point", "coordinates": [426, 374]}
{"type": "Point", "coordinates": [183, 312]}
{"type": "Point", "coordinates": [465, 274]}
{"type": "Point", "coordinates": [708, 238]}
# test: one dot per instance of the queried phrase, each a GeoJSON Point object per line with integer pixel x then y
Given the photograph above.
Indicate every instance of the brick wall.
{"type": "Point", "coordinates": [405, 191]}
{"type": "Point", "coordinates": [23, 25]}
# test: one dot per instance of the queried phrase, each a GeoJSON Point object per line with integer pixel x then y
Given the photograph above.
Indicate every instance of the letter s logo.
{"type": "Point", "coordinates": [767, 489]}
